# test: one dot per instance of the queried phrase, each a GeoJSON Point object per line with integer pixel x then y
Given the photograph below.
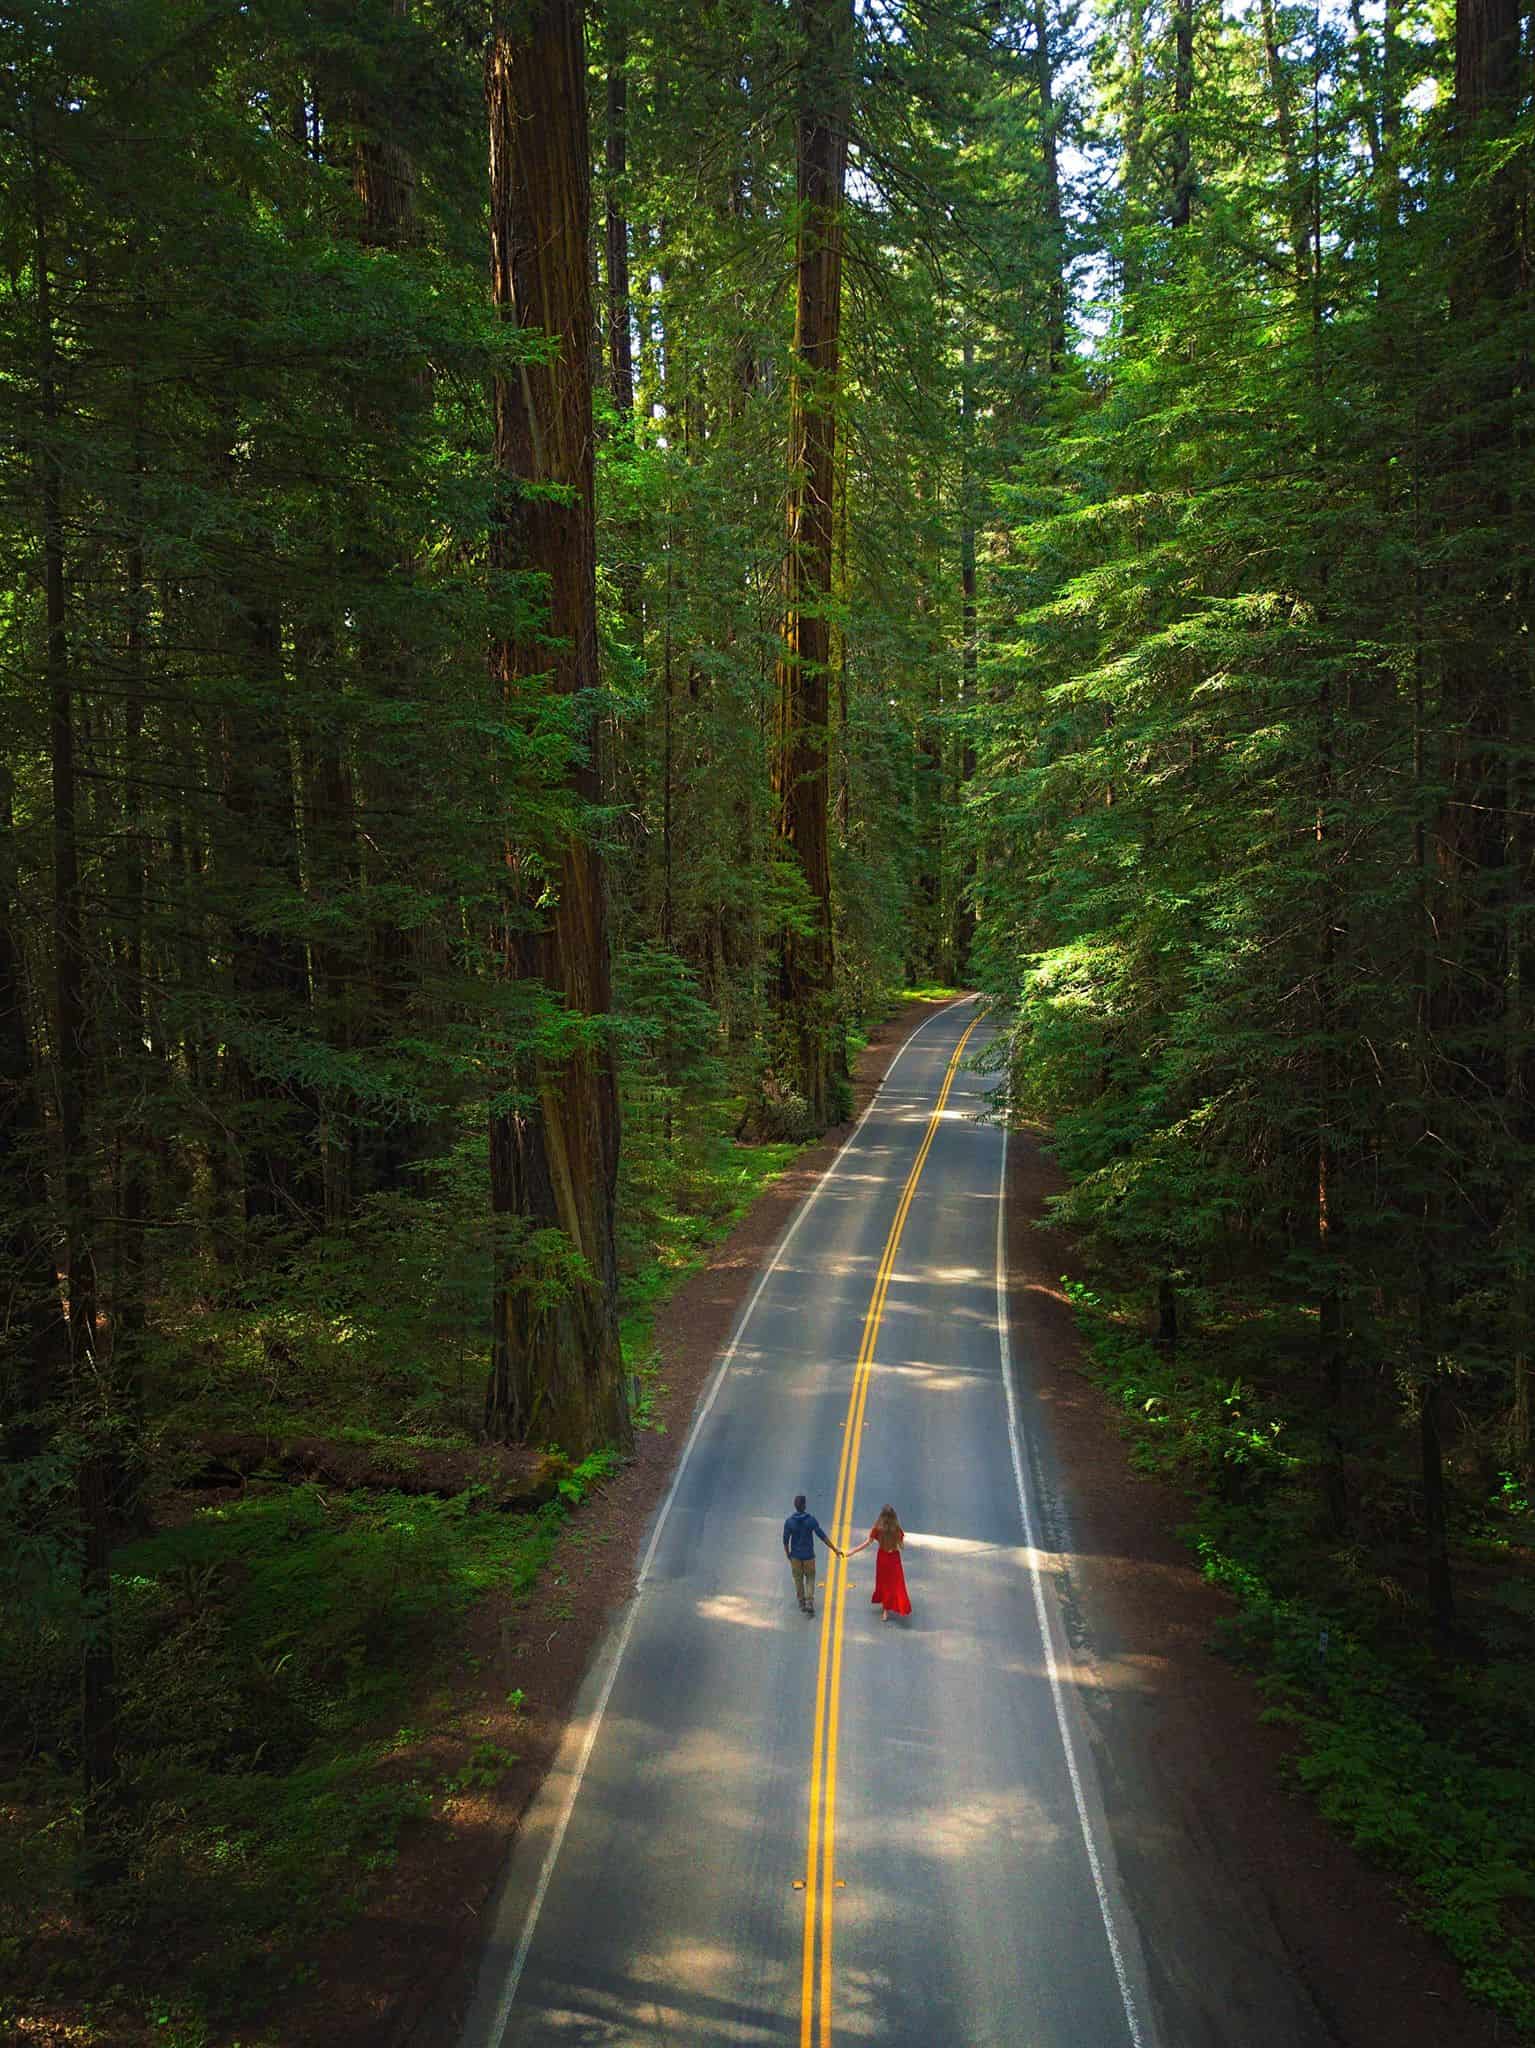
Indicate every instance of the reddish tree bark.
{"type": "Point", "coordinates": [1464, 937]}
{"type": "Point", "coordinates": [556, 1368]}
{"type": "Point", "coordinates": [801, 778]}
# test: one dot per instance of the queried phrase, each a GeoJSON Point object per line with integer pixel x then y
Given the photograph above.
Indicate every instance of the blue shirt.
{"type": "Point", "coordinates": [798, 1533]}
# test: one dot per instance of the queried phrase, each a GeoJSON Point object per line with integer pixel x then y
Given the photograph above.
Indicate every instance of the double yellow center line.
{"type": "Point", "coordinates": [820, 1870]}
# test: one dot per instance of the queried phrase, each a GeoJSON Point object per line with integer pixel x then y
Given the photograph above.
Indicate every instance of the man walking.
{"type": "Point", "coordinates": [799, 1534]}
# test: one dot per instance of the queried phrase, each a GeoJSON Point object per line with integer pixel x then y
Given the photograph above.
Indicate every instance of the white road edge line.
{"type": "Point", "coordinates": [552, 1853]}
{"type": "Point", "coordinates": [1015, 1442]}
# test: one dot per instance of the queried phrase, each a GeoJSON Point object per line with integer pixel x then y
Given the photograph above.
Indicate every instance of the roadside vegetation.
{"type": "Point", "coordinates": [1416, 1752]}
{"type": "Point", "coordinates": [287, 1640]}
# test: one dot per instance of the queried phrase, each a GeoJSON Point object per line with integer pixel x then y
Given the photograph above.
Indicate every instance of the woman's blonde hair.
{"type": "Point", "coordinates": [888, 1523]}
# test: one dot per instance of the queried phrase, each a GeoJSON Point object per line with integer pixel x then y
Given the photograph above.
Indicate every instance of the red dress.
{"type": "Point", "coordinates": [889, 1579]}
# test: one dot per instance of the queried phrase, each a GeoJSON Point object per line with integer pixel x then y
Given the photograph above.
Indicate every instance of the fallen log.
{"type": "Point", "coordinates": [517, 1479]}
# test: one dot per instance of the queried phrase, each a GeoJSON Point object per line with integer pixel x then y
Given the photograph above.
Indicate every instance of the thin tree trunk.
{"type": "Point", "coordinates": [620, 308]}
{"type": "Point", "coordinates": [1332, 1355]}
{"type": "Point", "coordinates": [1430, 1452]}
{"type": "Point", "coordinates": [284, 1178]}
{"type": "Point", "coordinates": [801, 778]}
{"type": "Point", "coordinates": [668, 695]}
{"type": "Point", "coordinates": [36, 1346]}
{"type": "Point", "coordinates": [1296, 182]}
{"type": "Point", "coordinates": [620, 335]}
{"type": "Point", "coordinates": [1307, 246]}
{"type": "Point", "coordinates": [556, 1368]}
{"type": "Point", "coordinates": [1463, 935]}
{"type": "Point", "coordinates": [1436, 1538]}
{"type": "Point", "coordinates": [131, 1138]}
{"type": "Point", "coordinates": [969, 641]}
{"type": "Point", "coordinates": [1182, 145]}
{"type": "Point", "coordinates": [1518, 1061]}
{"type": "Point", "coordinates": [73, 1066]}
{"type": "Point", "coordinates": [1050, 156]}
{"type": "Point", "coordinates": [1133, 145]}
{"type": "Point", "coordinates": [366, 1155]}
{"type": "Point", "coordinates": [383, 175]}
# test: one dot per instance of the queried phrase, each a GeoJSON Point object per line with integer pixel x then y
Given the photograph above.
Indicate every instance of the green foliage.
{"type": "Point", "coordinates": [487, 1766]}
{"type": "Point", "coordinates": [262, 1644]}
{"type": "Point", "coordinates": [1250, 827]}
{"type": "Point", "coordinates": [1418, 1760]}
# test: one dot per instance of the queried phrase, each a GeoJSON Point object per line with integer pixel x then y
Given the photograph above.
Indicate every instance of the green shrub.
{"type": "Point", "coordinates": [1421, 1763]}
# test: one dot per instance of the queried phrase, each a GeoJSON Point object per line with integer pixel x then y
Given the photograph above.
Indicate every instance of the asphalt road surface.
{"type": "Point", "coordinates": [767, 1828]}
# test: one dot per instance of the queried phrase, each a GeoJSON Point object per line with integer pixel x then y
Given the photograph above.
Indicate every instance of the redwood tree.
{"type": "Point", "coordinates": [556, 1367]}
{"type": "Point", "coordinates": [801, 777]}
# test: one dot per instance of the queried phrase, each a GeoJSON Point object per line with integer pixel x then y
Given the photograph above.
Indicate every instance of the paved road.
{"type": "Point", "coordinates": [767, 1829]}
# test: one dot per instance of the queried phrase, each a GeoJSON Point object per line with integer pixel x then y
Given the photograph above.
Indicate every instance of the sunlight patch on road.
{"type": "Point", "coordinates": [705, 1753]}
{"type": "Point", "coordinates": [735, 1607]}
{"type": "Point", "coordinates": [952, 1832]}
{"type": "Point", "coordinates": [965, 1546]}
{"type": "Point", "coordinates": [957, 1276]}
{"type": "Point", "coordinates": [936, 1379]}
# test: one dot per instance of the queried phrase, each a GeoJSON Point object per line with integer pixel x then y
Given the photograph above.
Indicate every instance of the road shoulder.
{"type": "Point", "coordinates": [1186, 1724]}
{"type": "Point", "coordinates": [401, 1974]}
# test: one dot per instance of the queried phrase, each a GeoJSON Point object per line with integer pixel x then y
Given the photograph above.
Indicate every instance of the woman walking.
{"type": "Point", "coordinates": [889, 1579]}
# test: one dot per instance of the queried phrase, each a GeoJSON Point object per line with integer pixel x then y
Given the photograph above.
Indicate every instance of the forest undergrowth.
{"type": "Point", "coordinates": [288, 1645]}
{"type": "Point", "coordinates": [1416, 1752]}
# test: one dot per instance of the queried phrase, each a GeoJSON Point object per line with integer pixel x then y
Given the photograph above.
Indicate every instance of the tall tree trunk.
{"type": "Point", "coordinates": [1304, 195]}
{"type": "Point", "coordinates": [1430, 1448]}
{"type": "Point", "coordinates": [616, 156]}
{"type": "Point", "coordinates": [73, 1065]}
{"type": "Point", "coordinates": [131, 1139]}
{"type": "Point", "coordinates": [1464, 931]}
{"type": "Point", "coordinates": [1132, 176]}
{"type": "Point", "coordinates": [969, 640]}
{"type": "Point", "coordinates": [1332, 1352]}
{"type": "Point", "coordinates": [1182, 142]}
{"type": "Point", "coordinates": [343, 795]}
{"type": "Point", "coordinates": [626, 752]}
{"type": "Point", "coordinates": [383, 175]}
{"type": "Point", "coordinates": [801, 772]}
{"type": "Point", "coordinates": [1050, 157]}
{"type": "Point", "coordinates": [35, 1348]}
{"type": "Point", "coordinates": [556, 1368]}
{"type": "Point", "coordinates": [282, 1158]}
{"type": "Point", "coordinates": [1296, 183]}
{"type": "Point", "coordinates": [1519, 1073]}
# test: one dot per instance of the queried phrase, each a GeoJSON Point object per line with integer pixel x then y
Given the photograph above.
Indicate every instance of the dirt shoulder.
{"type": "Point", "coordinates": [1207, 1763]}
{"type": "Point", "coordinates": [399, 1976]}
